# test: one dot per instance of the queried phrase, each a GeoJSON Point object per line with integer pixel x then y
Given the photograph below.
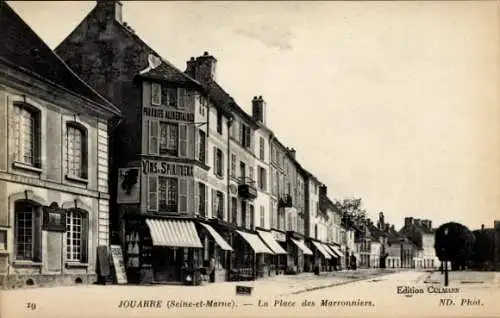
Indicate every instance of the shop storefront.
{"type": "Point", "coordinates": [273, 245]}
{"type": "Point", "coordinates": [280, 259]}
{"type": "Point", "coordinates": [308, 255]}
{"type": "Point", "coordinates": [248, 260]}
{"type": "Point", "coordinates": [162, 250]}
{"type": "Point", "coordinates": [339, 256]}
{"type": "Point", "coordinates": [321, 256]}
{"type": "Point", "coordinates": [215, 249]}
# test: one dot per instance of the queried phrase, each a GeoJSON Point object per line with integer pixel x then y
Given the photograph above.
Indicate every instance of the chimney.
{"type": "Point", "coordinates": [323, 190]}
{"type": "Point", "coordinates": [292, 152]}
{"type": "Point", "coordinates": [202, 68]}
{"type": "Point", "coordinates": [408, 221]}
{"type": "Point", "coordinates": [109, 10]}
{"type": "Point", "coordinates": [393, 228]}
{"type": "Point", "coordinates": [428, 224]}
{"type": "Point", "coordinates": [381, 220]}
{"type": "Point", "coordinates": [482, 227]}
{"type": "Point", "coordinates": [259, 109]}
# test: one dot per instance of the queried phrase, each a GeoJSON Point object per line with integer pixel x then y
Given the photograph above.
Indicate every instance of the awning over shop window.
{"type": "Point", "coordinates": [217, 237]}
{"type": "Point", "coordinates": [174, 233]}
{"type": "Point", "coordinates": [303, 247]}
{"type": "Point", "coordinates": [336, 250]}
{"type": "Point", "coordinates": [329, 251]}
{"type": "Point", "coordinates": [255, 242]}
{"type": "Point", "coordinates": [271, 242]}
{"type": "Point", "coordinates": [322, 250]}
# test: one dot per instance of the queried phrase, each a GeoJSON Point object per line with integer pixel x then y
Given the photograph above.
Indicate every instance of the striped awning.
{"type": "Point", "coordinates": [336, 250]}
{"type": "Point", "coordinates": [322, 250]}
{"type": "Point", "coordinates": [174, 233]}
{"type": "Point", "coordinates": [271, 242]}
{"type": "Point", "coordinates": [303, 247]}
{"type": "Point", "coordinates": [217, 237]}
{"type": "Point", "coordinates": [327, 248]}
{"type": "Point", "coordinates": [255, 242]}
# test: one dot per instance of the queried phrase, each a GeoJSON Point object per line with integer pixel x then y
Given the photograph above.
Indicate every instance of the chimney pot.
{"type": "Point", "coordinates": [205, 53]}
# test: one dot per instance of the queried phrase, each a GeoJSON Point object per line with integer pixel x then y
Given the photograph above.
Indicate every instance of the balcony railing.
{"type": "Point", "coordinates": [247, 188]}
{"type": "Point", "coordinates": [286, 201]}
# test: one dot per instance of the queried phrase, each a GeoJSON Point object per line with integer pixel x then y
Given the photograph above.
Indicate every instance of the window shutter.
{"type": "Point", "coordinates": [85, 153]}
{"type": "Point", "coordinates": [222, 164]}
{"type": "Point", "coordinates": [191, 140]}
{"type": "Point", "coordinates": [152, 193]}
{"type": "Point", "coordinates": [155, 94]}
{"type": "Point", "coordinates": [222, 207]}
{"type": "Point", "coordinates": [214, 168]}
{"type": "Point", "coordinates": [182, 140]}
{"type": "Point", "coordinates": [206, 200]}
{"type": "Point", "coordinates": [37, 232]}
{"type": "Point", "coordinates": [214, 204]}
{"type": "Point", "coordinates": [183, 193]}
{"type": "Point", "coordinates": [181, 97]}
{"type": "Point", "coordinates": [197, 143]}
{"type": "Point", "coordinates": [197, 193]}
{"type": "Point", "coordinates": [85, 237]}
{"type": "Point", "coordinates": [153, 137]}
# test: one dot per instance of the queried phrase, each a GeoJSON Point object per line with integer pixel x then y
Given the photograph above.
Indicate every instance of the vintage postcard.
{"type": "Point", "coordinates": [249, 159]}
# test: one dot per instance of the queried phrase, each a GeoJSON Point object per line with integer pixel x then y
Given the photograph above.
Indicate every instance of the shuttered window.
{"type": "Point", "coordinates": [76, 150]}
{"type": "Point", "coordinates": [183, 195]}
{"type": "Point", "coordinates": [183, 151]}
{"type": "Point", "coordinates": [152, 193]}
{"type": "Point", "coordinates": [153, 137]}
{"type": "Point", "coordinates": [156, 94]}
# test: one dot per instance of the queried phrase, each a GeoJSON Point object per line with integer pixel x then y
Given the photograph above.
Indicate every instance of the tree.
{"type": "Point", "coordinates": [351, 211]}
{"type": "Point", "coordinates": [454, 243]}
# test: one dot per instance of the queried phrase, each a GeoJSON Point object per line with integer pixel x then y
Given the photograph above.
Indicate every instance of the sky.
{"type": "Point", "coordinates": [394, 102]}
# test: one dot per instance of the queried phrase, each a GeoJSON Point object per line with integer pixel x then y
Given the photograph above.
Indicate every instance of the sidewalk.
{"type": "Point", "coordinates": [484, 279]}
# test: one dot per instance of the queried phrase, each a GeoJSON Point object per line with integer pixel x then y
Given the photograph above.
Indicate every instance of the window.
{"type": "Point", "coordinates": [76, 235]}
{"type": "Point", "coordinates": [76, 150]}
{"type": "Point", "coordinates": [274, 214]}
{"type": "Point", "coordinates": [234, 211]}
{"type": "Point", "coordinates": [182, 98]}
{"type": "Point", "coordinates": [26, 135]}
{"type": "Point", "coordinates": [233, 165]}
{"type": "Point", "coordinates": [275, 178]}
{"type": "Point", "coordinates": [203, 105]}
{"type": "Point", "coordinates": [244, 214]}
{"type": "Point", "coordinates": [152, 193]}
{"type": "Point", "coordinates": [156, 94]}
{"type": "Point", "coordinates": [202, 199]}
{"type": "Point", "coordinates": [250, 172]}
{"type": "Point", "coordinates": [262, 179]}
{"type": "Point", "coordinates": [218, 162]}
{"type": "Point", "coordinates": [201, 146]}
{"type": "Point", "coordinates": [219, 121]}
{"type": "Point", "coordinates": [262, 150]}
{"type": "Point", "coordinates": [169, 95]}
{"type": "Point", "coordinates": [218, 204]}
{"type": "Point", "coordinates": [3, 240]}
{"type": "Point", "coordinates": [168, 139]}
{"type": "Point", "coordinates": [167, 194]}
{"type": "Point", "coordinates": [251, 217]}
{"type": "Point", "coordinates": [262, 214]}
{"type": "Point", "coordinates": [245, 136]}
{"type": "Point", "coordinates": [27, 231]}
{"type": "Point", "coordinates": [243, 171]}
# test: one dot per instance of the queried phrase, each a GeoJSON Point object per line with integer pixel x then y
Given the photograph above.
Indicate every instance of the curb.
{"type": "Point", "coordinates": [335, 284]}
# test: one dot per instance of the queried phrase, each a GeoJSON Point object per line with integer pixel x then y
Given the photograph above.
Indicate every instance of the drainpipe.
{"type": "Point", "coordinates": [228, 178]}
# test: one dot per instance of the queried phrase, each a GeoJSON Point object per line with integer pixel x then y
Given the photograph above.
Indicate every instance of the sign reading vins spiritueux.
{"type": "Point", "coordinates": [166, 168]}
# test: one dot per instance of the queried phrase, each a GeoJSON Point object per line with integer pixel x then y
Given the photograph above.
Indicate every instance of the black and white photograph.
{"type": "Point", "coordinates": [249, 158]}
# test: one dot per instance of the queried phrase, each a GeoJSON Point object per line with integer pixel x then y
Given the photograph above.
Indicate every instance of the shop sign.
{"type": "Point", "coordinates": [161, 113]}
{"type": "Point", "coordinates": [54, 218]}
{"type": "Point", "coordinates": [156, 167]}
{"type": "Point", "coordinates": [128, 185]}
{"type": "Point", "coordinates": [118, 264]}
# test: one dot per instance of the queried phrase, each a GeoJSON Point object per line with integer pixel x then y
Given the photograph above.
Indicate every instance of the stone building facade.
{"type": "Point", "coordinates": [54, 164]}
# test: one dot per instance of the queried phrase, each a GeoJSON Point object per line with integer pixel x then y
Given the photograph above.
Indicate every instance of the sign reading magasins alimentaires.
{"type": "Point", "coordinates": [168, 114]}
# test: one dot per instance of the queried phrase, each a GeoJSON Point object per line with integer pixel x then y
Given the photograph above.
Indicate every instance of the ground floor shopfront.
{"type": "Point", "coordinates": [175, 249]}
{"type": "Point", "coordinates": [49, 236]}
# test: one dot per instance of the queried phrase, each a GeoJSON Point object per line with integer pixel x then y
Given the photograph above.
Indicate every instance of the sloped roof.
{"type": "Point", "coordinates": [24, 49]}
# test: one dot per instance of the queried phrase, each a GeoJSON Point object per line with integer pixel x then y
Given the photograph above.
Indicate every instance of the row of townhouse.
{"type": "Point", "coordinates": [382, 246]}
{"type": "Point", "coordinates": [106, 142]}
